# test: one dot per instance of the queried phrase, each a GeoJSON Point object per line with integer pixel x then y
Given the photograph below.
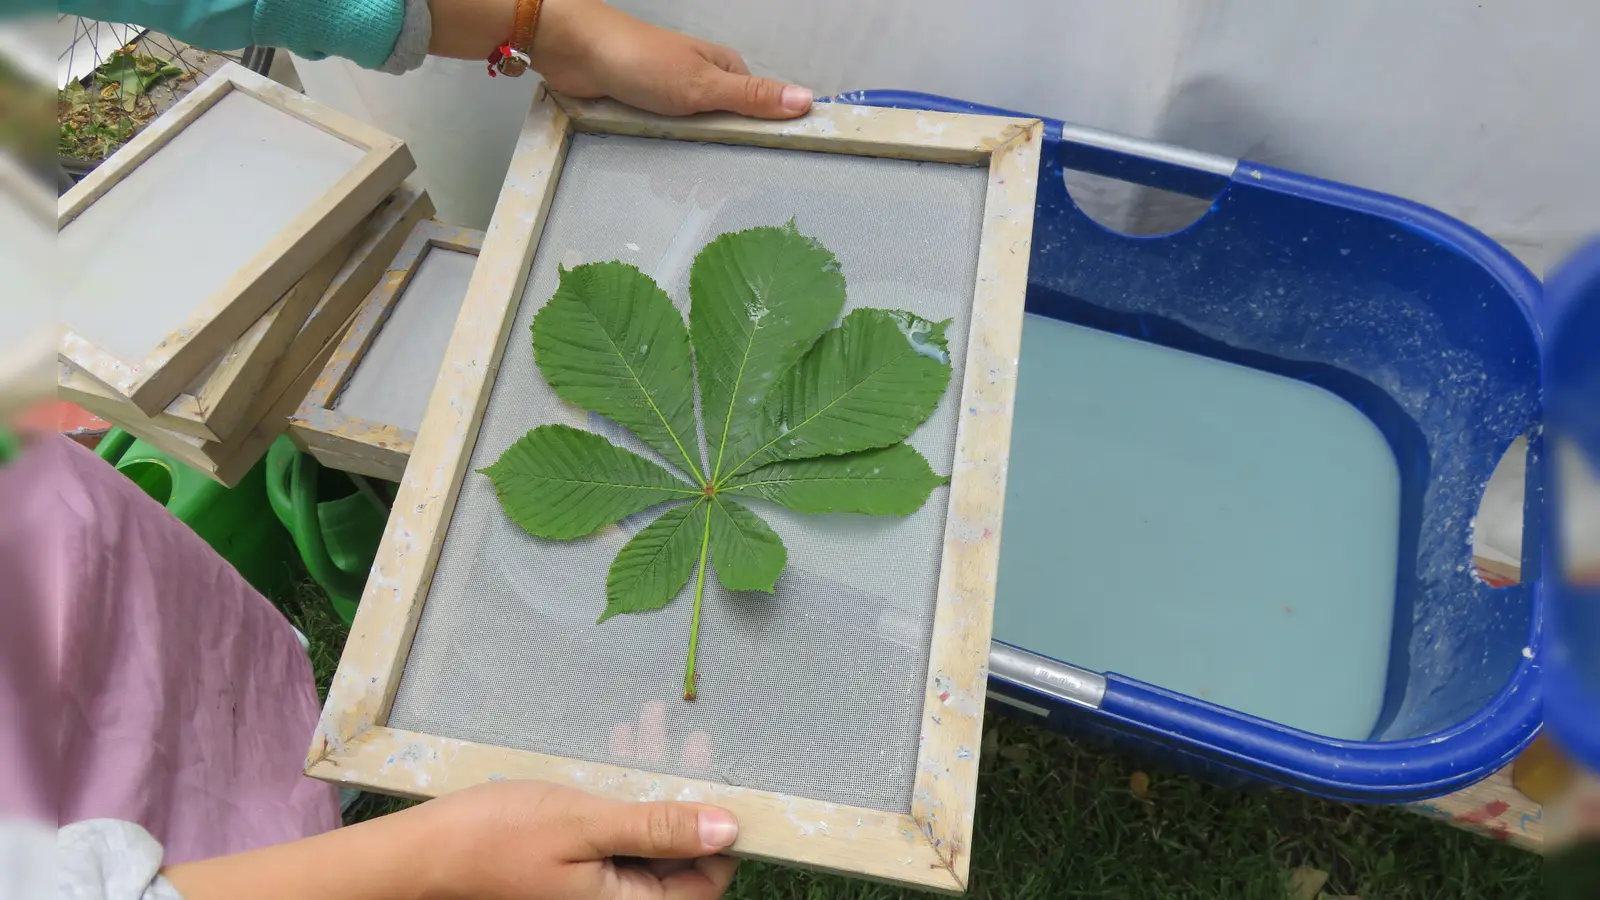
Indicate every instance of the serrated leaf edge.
{"type": "Point", "coordinates": [693, 467]}
{"type": "Point", "coordinates": [607, 613]}
{"type": "Point", "coordinates": [771, 588]}
{"type": "Point", "coordinates": [937, 332]}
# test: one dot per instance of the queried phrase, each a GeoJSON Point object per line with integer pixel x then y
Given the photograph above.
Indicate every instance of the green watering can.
{"type": "Point", "coordinates": [335, 518]}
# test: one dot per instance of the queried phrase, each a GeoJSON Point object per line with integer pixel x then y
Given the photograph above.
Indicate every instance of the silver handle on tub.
{"type": "Point", "coordinates": [1132, 146]}
{"type": "Point", "coordinates": [1080, 687]}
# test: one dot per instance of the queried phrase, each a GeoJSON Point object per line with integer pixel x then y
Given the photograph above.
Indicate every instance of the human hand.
{"type": "Point", "coordinates": [505, 840]}
{"type": "Point", "coordinates": [587, 49]}
{"type": "Point", "coordinates": [530, 840]}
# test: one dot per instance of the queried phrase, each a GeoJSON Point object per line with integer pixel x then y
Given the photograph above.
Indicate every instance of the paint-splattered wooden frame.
{"type": "Point", "coordinates": [352, 443]}
{"type": "Point", "coordinates": [376, 242]}
{"type": "Point", "coordinates": [224, 400]}
{"type": "Point", "coordinates": [931, 846]}
{"type": "Point", "coordinates": [226, 462]}
{"type": "Point", "coordinates": [224, 317]}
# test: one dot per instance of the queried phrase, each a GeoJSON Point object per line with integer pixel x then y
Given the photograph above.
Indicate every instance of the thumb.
{"type": "Point", "coordinates": [750, 95]}
{"type": "Point", "coordinates": [660, 830]}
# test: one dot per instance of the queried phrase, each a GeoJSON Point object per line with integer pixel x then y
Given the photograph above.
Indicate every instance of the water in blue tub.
{"type": "Point", "coordinates": [1201, 526]}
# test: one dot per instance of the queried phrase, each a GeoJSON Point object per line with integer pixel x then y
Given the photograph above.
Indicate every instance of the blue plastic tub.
{"type": "Point", "coordinates": [1382, 299]}
{"type": "Point", "coordinates": [1572, 391]}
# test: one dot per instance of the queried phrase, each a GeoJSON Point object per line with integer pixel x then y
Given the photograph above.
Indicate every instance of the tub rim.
{"type": "Point", "coordinates": [1433, 764]}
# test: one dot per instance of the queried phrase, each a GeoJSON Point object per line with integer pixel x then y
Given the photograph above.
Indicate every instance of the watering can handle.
{"type": "Point", "coordinates": [115, 443]}
{"type": "Point", "coordinates": [292, 490]}
{"type": "Point", "coordinates": [307, 531]}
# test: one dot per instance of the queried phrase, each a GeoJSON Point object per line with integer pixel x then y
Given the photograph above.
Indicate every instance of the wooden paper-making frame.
{"type": "Point", "coordinates": [224, 401]}
{"type": "Point", "coordinates": [375, 244]}
{"type": "Point", "coordinates": [352, 443]}
{"type": "Point", "coordinates": [219, 320]}
{"type": "Point", "coordinates": [930, 847]}
{"type": "Point", "coordinates": [221, 403]}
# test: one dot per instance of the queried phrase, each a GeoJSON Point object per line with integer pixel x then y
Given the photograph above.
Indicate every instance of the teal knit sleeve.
{"type": "Point", "coordinates": [362, 31]}
{"type": "Point", "coordinates": [212, 24]}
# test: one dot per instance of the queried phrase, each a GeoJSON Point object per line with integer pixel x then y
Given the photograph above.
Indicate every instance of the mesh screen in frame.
{"type": "Point", "coordinates": [815, 691]}
{"type": "Point", "coordinates": [393, 378]}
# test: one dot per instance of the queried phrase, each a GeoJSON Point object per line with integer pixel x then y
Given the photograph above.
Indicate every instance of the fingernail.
{"type": "Point", "coordinates": [796, 98]}
{"type": "Point", "coordinates": [717, 828]}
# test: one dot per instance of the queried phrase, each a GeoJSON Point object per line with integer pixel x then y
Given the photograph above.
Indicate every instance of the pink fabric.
{"type": "Point", "coordinates": [31, 581]}
{"type": "Point", "coordinates": [184, 701]}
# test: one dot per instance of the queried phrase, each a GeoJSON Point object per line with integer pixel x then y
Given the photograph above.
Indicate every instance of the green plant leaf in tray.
{"type": "Point", "coordinates": [794, 412]}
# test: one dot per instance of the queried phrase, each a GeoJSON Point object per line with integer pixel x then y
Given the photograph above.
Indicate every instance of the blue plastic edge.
{"type": "Point", "coordinates": [1575, 278]}
{"type": "Point", "coordinates": [1449, 232]}
{"type": "Point", "coordinates": [1572, 709]}
{"type": "Point", "coordinates": [1447, 760]}
{"type": "Point", "coordinates": [1432, 765]}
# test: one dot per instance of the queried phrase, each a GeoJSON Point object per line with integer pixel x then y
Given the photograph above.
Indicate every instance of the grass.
{"type": "Point", "coordinates": [1059, 819]}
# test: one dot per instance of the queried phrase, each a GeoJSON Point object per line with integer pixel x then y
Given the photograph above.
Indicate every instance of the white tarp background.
{"type": "Point", "coordinates": [1488, 111]}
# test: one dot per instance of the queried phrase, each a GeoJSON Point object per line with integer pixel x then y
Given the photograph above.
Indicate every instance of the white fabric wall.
{"type": "Point", "coordinates": [1489, 111]}
{"type": "Point", "coordinates": [460, 124]}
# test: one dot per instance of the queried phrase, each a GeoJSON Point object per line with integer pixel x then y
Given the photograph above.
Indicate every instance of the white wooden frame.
{"type": "Point", "coordinates": [351, 443]}
{"type": "Point", "coordinates": [154, 382]}
{"type": "Point", "coordinates": [930, 847]}
{"type": "Point", "coordinates": [227, 462]}
{"type": "Point", "coordinates": [376, 243]}
{"type": "Point", "coordinates": [220, 405]}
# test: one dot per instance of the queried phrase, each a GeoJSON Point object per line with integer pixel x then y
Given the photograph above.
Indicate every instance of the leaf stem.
{"type": "Point", "coordinates": [694, 622]}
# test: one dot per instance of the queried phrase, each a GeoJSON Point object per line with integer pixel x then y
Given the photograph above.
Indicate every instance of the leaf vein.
{"type": "Point", "coordinates": [733, 400]}
{"type": "Point", "coordinates": [836, 401]}
{"type": "Point", "coordinates": [692, 467]}
{"type": "Point", "coordinates": [586, 482]}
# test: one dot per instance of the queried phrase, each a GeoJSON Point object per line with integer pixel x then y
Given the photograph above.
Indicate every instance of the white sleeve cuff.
{"type": "Point", "coordinates": [411, 47]}
{"type": "Point", "coordinates": [108, 859]}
